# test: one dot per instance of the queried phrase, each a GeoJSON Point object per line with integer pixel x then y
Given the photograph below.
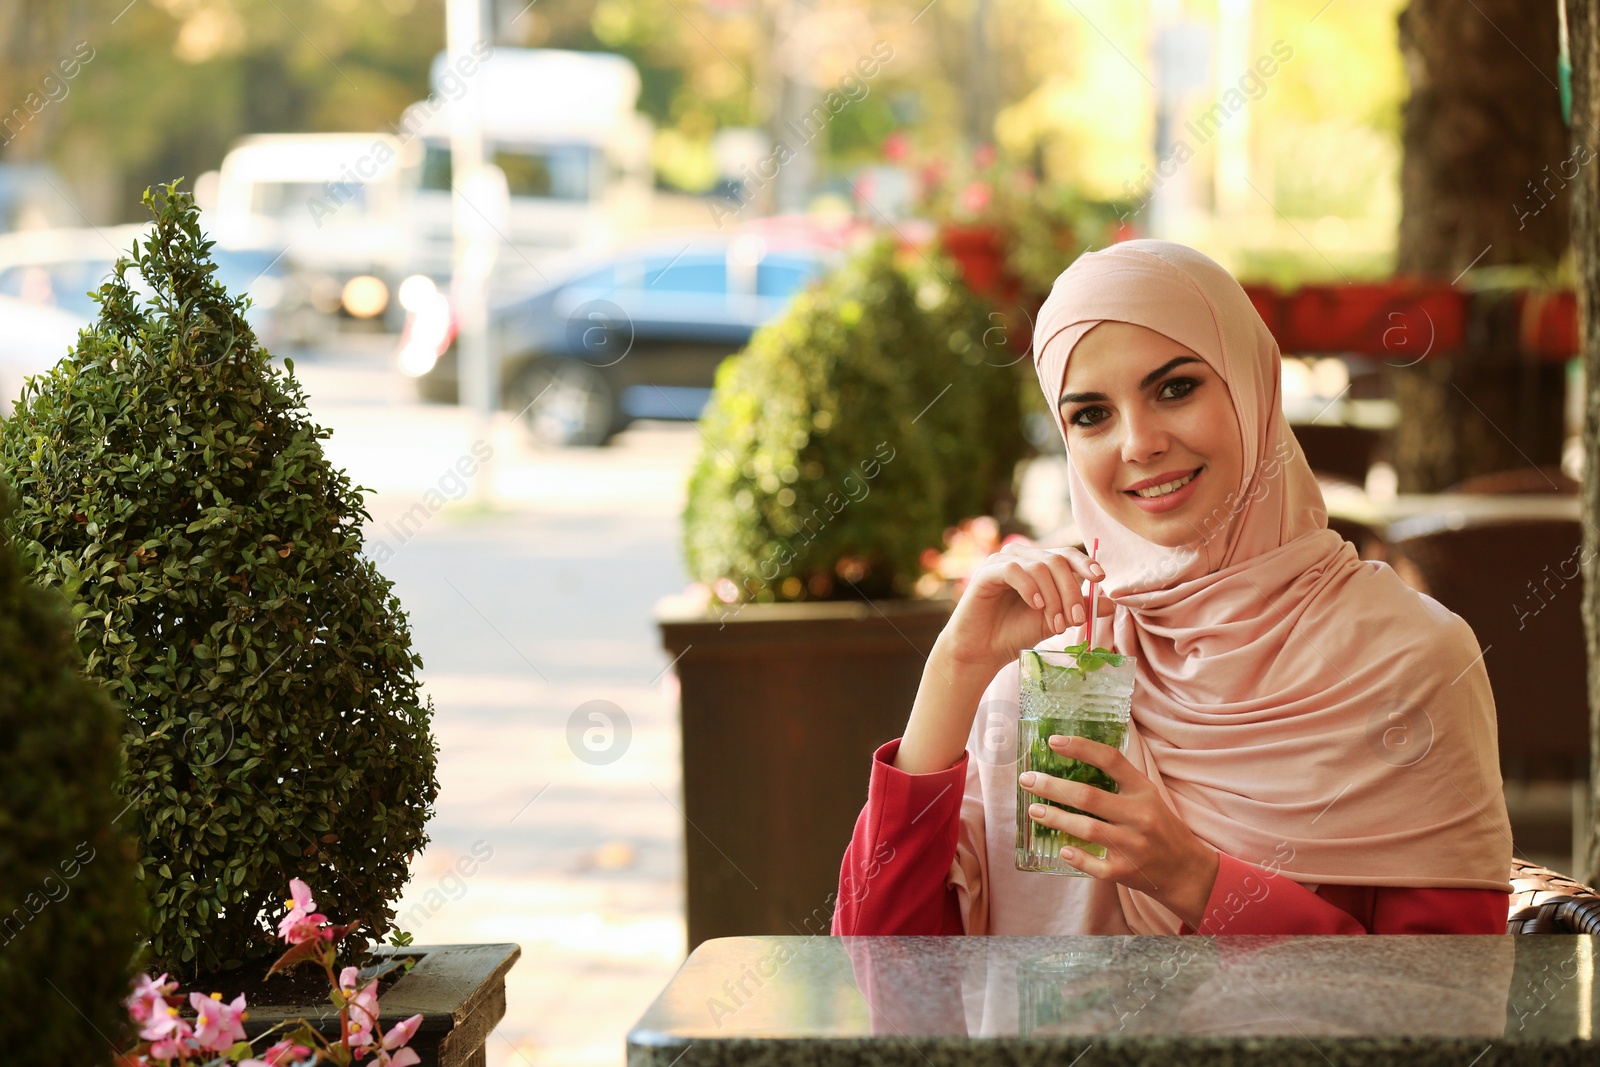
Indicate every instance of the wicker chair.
{"type": "Point", "coordinates": [1547, 902]}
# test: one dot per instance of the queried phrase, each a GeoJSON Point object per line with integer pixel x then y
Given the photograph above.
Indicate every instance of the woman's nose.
{"type": "Point", "coordinates": [1144, 438]}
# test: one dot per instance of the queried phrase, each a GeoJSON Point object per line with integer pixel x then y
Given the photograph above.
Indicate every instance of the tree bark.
{"type": "Point", "coordinates": [1583, 36]}
{"type": "Point", "coordinates": [1480, 186]}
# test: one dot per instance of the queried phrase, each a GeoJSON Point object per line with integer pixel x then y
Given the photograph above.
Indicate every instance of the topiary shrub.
{"type": "Point", "coordinates": [173, 487]}
{"type": "Point", "coordinates": [959, 360]}
{"type": "Point", "coordinates": [847, 436]}
{"type": "Point", "coordinates": [69, 915]}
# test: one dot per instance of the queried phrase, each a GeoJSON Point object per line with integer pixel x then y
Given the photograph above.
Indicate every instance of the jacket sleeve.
{"type": "Point", "coordinates": [1250, 900]}
{"type": "Point", "coordinates": [894, 878]}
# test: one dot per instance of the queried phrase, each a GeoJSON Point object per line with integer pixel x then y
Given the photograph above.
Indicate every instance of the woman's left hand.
{"type": "Point", "coordinates": [1148, 847]}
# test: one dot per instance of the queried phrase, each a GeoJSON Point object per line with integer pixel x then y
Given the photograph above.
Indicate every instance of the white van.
{"type": "Point", "coordinates": [359, 212]}
{"type": "Point", "coordinates": [335, 202]}
{"type": "Point", "coordinates": [564, 130]}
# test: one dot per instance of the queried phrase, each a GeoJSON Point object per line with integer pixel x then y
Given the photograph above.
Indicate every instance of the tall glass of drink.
{"type": "Point", "coordinates": [1074, 692]}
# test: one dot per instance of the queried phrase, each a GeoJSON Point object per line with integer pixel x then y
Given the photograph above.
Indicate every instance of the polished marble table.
{"type": "Point", "coordinates": [1467, 1001]}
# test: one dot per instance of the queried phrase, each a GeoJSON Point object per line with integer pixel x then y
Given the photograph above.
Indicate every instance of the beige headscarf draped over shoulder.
{"type": "Point", "coordinates": [1298, 707]}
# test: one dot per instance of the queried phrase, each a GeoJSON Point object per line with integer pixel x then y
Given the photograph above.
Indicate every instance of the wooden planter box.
{"type": "Point", "coordinates": [459, 989]}
{"type": "Point", "coordinates": [782, 707]}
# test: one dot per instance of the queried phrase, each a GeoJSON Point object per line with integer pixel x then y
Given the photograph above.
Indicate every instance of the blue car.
{"type": "Point", "coordinates": [636, 334]}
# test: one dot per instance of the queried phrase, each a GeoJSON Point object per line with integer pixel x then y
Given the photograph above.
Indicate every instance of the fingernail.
{"type": "Point", "coordinates": [1077, 614]}
{"type": "Point", "coordinates": [1027, 778]}
{"type": "Point", "coordinates": [1060, 740]}
{"type": "Point", "coordinates": [1061, 622]}
{"type": "Point", "coordinates": [1096, 570]}
{"type": "Point", "coordinates": [1038, 601]}
{"type": "Point", "coordinates": [1036, 810]}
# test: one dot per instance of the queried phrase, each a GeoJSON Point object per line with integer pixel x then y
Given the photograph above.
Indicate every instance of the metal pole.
{"type": "Point", "coordinates": [475, 243]}
{"type": "Point", "coordinates": [796, 118]}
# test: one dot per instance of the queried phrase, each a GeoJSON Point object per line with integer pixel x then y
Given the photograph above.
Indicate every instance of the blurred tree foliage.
{"type": "Point", "coordinates": [173, 83]}
{"type": "Point", "coordinates": [1067, 89]}
{"type": "Point", "coordinates": [710, 64]}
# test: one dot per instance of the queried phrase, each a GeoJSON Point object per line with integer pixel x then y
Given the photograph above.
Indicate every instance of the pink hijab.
{"type": "Point", "coordinates": [1299, 708]}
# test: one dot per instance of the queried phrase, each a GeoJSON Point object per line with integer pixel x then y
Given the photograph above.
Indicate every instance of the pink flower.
{"type": "Point", "coordinates": [176, 1039]}
{"type": "Point", "coordinates": [896, 146]}
{"type": "Point", "coordinates": [282, 1054]}
{"type": "Point", "coordinates": [984, 156]}
{"type": "Point", "coordinates": [363, 1011]}
{"type": "Point", "coordinates": [394, 1052]}
{"type": "Point", "coordinates": [975, 197]}
{"type": "Point", "coordinates": [163, 1021]}
{"type": "Point", "coordinates": [305, 928]}
{"type": "Point", "coordinates": [303, 922]}
{"type": "Point", "coordinates": [217, 1026]}
{"type": "Point", "coordinates": [149, 998]}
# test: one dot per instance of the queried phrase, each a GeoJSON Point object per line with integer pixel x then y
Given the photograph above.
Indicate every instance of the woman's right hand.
{"type": "Point", "coordinates": [1018, 597]}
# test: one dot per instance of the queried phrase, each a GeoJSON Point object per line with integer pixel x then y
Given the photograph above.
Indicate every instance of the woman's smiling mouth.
{"type": "Point", "coordinates": [1165, 491]}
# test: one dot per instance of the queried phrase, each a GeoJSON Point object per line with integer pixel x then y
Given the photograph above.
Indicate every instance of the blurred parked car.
{"type": "Point", "coordinates": [59, 268]}
{"type": "Point", "coordinates": [637, 333]}
{"type": "Point", "coordinates": [336, 205]}
{"type": "Point", "coordinates": [32, 340]}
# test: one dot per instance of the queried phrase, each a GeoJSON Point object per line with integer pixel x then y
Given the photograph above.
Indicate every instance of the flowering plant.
{"type": "Point", "coordinates": [216, 1033]}
{"type": "Point", "coordinates": [967, 545]}
{"type": "Point", "coordinates": [1042, 226]}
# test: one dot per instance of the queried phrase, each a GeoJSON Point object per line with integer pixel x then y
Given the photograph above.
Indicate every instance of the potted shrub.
{"type": "Point", "coordinates": [69, 906]}
{"type": "Point", "coordinates": [839, 447]}
{"type": "Point", "coordinates": [172, 486]}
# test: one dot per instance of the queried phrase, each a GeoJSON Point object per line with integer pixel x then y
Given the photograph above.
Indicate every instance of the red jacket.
{"type": "Point", "coordinates": [915, 818]}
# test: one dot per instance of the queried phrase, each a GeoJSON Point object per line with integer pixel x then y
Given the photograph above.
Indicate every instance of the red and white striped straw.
{"type": "Point", "coordinates": [1094, 597]}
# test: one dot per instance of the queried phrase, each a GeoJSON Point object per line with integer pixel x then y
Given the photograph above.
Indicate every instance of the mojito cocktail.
{"type": "Point", "coordinates": [1078, 693]}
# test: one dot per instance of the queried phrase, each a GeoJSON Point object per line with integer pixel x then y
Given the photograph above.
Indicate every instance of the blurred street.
{"type": "Point", "coordinates": [523, 610]}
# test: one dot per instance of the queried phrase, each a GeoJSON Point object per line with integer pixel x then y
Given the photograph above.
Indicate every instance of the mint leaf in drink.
{"type": "Point", "coordinates": [1094, 659]}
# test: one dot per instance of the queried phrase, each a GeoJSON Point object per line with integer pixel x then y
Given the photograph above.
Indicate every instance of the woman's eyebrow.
{"type": "Point", "coordinates": [1144, 383]}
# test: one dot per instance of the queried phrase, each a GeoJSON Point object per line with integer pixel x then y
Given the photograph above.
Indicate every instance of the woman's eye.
{"type": "Point", "coordinates": [1176, 388]}
{"type": "Point", "coordinates": [1087, 416]}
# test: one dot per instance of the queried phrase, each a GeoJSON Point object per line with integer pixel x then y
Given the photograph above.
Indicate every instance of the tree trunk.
{"type": "Point", "coordinates": [1480, 186]}
{"type": "Point", "coordinates": [1583, 35]}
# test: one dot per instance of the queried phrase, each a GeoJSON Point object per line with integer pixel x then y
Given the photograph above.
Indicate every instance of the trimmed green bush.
{"type": "Point", "coordinates": [848, 435]}
{"type": "Point", "coordinates": [173, 487]}
{"type": "Point", "coordinates": [69, 914]}
{"type": "Point", "coordinates": [955, 349]}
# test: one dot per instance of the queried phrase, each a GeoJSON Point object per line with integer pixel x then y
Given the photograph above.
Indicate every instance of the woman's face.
{"type": "Point", "coordinates": [1152, 432]}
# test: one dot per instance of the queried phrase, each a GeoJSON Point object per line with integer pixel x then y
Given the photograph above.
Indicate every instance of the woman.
{"type": "Point", "coordinates": [1313, 745]}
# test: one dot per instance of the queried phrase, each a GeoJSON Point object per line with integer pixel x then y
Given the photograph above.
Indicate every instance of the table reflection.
{"type": "Point", "coordinates": [1174, 986]}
